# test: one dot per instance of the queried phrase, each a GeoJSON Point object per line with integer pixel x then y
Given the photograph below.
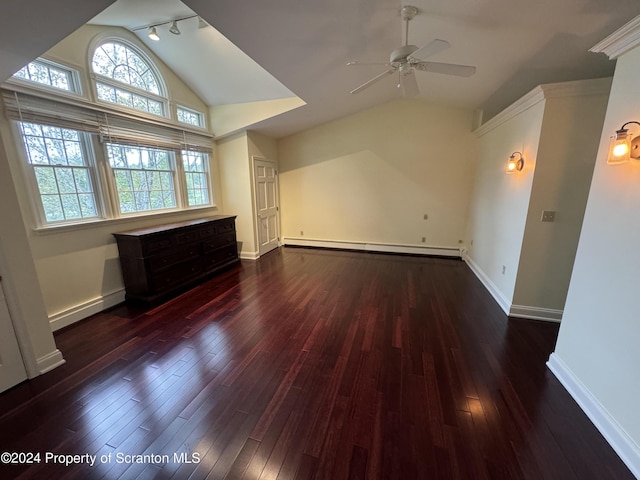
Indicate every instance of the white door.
{"type": "Point", "coordinates": [265, 176]}
{"type": "Point", "coordinates": [12, 369]}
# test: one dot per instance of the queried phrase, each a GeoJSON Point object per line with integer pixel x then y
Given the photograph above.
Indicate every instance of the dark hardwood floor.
{"type": "Point", "coordinates": [308, 364]}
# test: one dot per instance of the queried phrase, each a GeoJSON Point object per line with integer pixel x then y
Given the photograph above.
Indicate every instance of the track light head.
{"type": "Point", "coordinates": [153, 34]}
{"type": "Point", "coordinates": [174, 28]}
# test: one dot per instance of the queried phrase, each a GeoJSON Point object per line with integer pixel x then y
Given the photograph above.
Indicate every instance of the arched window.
{"type": "Point", "coordinates": [124, 76]}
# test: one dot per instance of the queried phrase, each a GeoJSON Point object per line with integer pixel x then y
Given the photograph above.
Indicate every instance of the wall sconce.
{"type": "Point", "coordinates": [515, 164]}
{"type": "Point", "coordinates": [623, 148]}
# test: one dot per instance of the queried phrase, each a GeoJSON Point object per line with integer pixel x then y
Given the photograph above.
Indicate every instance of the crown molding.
{"type": "Point", "coordinates": [620, 41]}
{"type": "Point", "coordinates": [598, 86]}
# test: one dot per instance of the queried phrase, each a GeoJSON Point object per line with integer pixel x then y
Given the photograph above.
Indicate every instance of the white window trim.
{"type": "Point", "coordinates": [177, 187]}
{"type": "Point", "coordinates": [74, 75]}
{"type": "Point", "coordinates": [94, 77]}
{"type": "Point", "coordinates": [201, 115]}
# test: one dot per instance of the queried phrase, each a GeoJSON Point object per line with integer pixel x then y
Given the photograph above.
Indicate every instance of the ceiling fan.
{"type": "Point", "coordinates": [408, 58]}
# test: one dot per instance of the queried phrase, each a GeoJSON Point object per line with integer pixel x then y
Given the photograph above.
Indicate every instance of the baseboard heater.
{"type": "Point", "coordinates": [454, 252]}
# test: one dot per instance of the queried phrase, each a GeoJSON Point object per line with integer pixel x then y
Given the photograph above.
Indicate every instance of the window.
{"type": "Point", "coordinates": [58, 159]}
{"type": "Point", "coordinates": [143, 177]}
{"type": "Point", "coordinates": [190, 117]}
{"type": "Point", "coordinates": [86, 161]}
{"type": "Point", "coordinates": [195, 171]}
{"type": "Point", "coordinates": [49, 74]}
{"type": "Point", "coordinates": [125, 78]}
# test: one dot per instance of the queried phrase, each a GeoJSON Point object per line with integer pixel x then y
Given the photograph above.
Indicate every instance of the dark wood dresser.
{"type": "Point", "coordinates": [162, 260]}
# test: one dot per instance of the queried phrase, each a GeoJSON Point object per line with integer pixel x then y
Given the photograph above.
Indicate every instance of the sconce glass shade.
{"type": "Point", "coordinates": [624, 146]}
{"type": "Point", "coordinates": [515, 164]}
{"type": "Point", "coordinates": [620, 147]}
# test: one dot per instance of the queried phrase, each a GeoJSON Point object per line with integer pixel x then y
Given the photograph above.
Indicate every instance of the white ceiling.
{"type": "Point", "coordinates": [306, 44]}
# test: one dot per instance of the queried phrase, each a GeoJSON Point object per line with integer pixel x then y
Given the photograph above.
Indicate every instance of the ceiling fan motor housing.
{"type": "Point", "coordinates": [401, 54]}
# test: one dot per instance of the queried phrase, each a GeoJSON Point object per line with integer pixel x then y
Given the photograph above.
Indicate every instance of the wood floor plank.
{"type": "Point", "coordinates": [309, 364]}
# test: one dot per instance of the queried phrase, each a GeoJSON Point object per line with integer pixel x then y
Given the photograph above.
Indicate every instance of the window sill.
{"type": "Point", "coordinates": [103, 222]}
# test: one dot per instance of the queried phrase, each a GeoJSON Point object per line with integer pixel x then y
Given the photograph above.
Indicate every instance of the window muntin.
{"type": "Point", "coordinates": [125, 78]}
{"type": "Point", "coordinates": [62, 172]}
{"type": "Point", "coordinates": [49, 74]}
{"type": "Point", "coordinates": [190, 117]}
{"type": "Point", "coordinates": [144, 177]}
{"type": "Point", "coordinates": [112, 94]}
{"type": "Point", "coordinates": [196, 176]}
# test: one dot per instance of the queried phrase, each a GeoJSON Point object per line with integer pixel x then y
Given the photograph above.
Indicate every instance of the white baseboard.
{"type": "Point", "coordinates": [50, 361]}
{"type": "Point", "coordinates": [79, 312]}
{"type": "Point", "coordinates": [536, 313]}
{"type": "Point", "coordinates": [249, 255]}
{"type": "Point", "coordinates": [495, 292]}
{"type": "Point", "coordinates": [620, 441]}
{"type": "Point", "coordinates": [375, 247]}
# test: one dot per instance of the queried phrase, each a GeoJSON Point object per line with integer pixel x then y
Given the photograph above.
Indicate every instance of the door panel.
{"type": "Point", "coordinates": [266, 189]}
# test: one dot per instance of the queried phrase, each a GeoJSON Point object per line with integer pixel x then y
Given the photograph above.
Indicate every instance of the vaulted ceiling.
{"type": "Point", "coordinates": [271, 49]}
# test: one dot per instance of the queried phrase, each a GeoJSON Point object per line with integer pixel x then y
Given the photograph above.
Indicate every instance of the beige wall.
{"type": "Point", "coordinates": [597, 349]}
{"type": "Point", "coordinates": [370, 177]}
{"type": "Point", "coordinates": [76, 49]}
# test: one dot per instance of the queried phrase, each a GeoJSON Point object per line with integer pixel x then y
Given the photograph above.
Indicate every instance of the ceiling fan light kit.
{"type": "Point", "coordinates": [408, 58]}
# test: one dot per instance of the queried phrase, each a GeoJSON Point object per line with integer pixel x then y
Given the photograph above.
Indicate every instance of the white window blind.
{"type": "Point", "coordinates": [111, 126]}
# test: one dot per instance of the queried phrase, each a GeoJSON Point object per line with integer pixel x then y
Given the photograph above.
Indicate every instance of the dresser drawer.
{"type": "Point", "coordinates": [176, 275]}
{"type": "Point", "coordinates": [218, 241]}
{"type": "Point", "coordinates": [220, 257]}
{"type": "Point", "coordinates": [189, 236]}
{"type": "Point", "coordinates": [158, 263]}
{"type": "Point", "coordinates": [158, 243]}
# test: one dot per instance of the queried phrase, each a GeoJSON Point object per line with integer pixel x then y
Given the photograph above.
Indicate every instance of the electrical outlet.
{"type": "Point", "coordinates": [301, 233]}
{"type": "Point", "coordinates": [504, 269]}
{"type": "Point", "coordinates": [548, 216]}
{"type": "Point", "coordinates": [426, 216]}
{"type": "Point", "coordinates": [424, 239]}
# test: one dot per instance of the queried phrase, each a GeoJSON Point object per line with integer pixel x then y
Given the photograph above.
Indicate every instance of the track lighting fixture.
{"type": "Point", "coordinates": [153, 34]}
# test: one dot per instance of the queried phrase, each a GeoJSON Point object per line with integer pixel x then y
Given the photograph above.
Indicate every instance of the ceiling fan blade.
{"type": "Point", "coordinates": [356, 63]}
{"type": "Point", "coordinates": [445, 68]}
{"type": "Point", "coordinates": [409, 83]}
{"type": "Point", "coordinates": [431, 48]}
{"type": "Point", "coordinates": [372, 81]}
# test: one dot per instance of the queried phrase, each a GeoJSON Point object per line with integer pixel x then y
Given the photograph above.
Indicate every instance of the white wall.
{"type": "Point", "coordinates": [597, 353]}
{"type": "Point", "coordinates": [566, 156]}
{"type": "Point", "coordinates": [526, 263]}
{"type": "Point", "coordinates": [235, 178]}
{"type": "Point", "coordinates": [500, 202]}
{"type": "Point", "coordinates": [20, 281]}
{"type": "Point", "coordinates": [370, 177]}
